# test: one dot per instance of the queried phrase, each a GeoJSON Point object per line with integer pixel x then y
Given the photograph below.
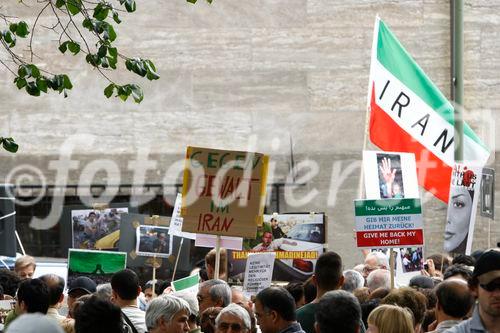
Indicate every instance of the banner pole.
{"type": "Point", "coordinates": [217, 257]}
{"type": "Point", "coordinates": [391, 263]}
{"type": "Point", "coordinates": [177, 259]}
{"type": "Point", "coordinates": [154, 277]}
{"type": "Point", "coordinates": [20, 244]}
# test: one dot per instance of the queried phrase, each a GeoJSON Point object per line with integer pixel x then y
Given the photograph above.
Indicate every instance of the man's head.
{"type": "Point", "coordinates": [233, 318]}
{"type": "Point", "coordinates": [125, 285]}
{"type": "Point", "coordinates": [296, 289]}
{"type": "Point", "coordinates": [485, 282]}
{"type": "Point", "coordinates": [274, 309]}
{"type": "Point", "coordinates": [274, 223]}
{"type": "Point", "coordinates": [338, 311]}
{"type": "Point", "coordinates": [210, 263]}
{"type": "Point", "coordinates": [458, 271]}
{"type": "Point", "coordinates": [167, 314]}
{"type": "Point", "coordinates": [194, 309]}
{"type": "Point", "coordinates": [267, 238]}
{"type": "Point", "coordinates": [328, 272]}
{"type": "Point", "coordinates": [376, 260]}
{"type": "Point", "coordinates": [9, 281]}
{"type": "Point", "coordinates": [352, 280]}
{"type": "Point", "coordinates": [80, 286]}
{"type": "Point", "coordinates": [407, 297]}
{"type": "Point", "coordinates": [55, 284]}
{"type": "Point", "coordinates": [25, 267]}
{"type": "Point", "coordinates": [213, 293]}
{"type": "Point", "coordinates": [378, 278]}
{"type": "Point", "coordinates": [33, 296]}
{"type": "Point", "coordinates": [239, 298]}
{"type": "Point", "coordinates": [98, 315]}
{"type": "Point", "coordinates": [454, 299]}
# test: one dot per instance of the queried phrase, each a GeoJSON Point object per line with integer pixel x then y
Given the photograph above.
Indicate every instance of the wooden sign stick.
{"type": "Point", "coordinates": [217, 257]}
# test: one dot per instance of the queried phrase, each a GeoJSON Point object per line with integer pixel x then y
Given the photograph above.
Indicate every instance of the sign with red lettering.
{"type": "Point", "coordinates": [223, 192]}
{"type": "Point", "coordinates": [389, 223]}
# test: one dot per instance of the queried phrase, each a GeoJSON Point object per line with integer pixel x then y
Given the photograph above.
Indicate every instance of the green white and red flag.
{"type": "Point", "coordinates": [408, 113]}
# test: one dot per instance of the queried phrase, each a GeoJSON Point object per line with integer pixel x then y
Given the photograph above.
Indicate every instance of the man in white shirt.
{"type": "Point", "coordinates": [126, 289]}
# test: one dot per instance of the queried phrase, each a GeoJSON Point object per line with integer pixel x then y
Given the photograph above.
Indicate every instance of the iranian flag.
{"type": "Point", "coordinates": [410, 114]}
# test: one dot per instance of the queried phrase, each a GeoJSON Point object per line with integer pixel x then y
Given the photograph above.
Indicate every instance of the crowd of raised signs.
{"type": "Point", "coordinates": [460, 294]}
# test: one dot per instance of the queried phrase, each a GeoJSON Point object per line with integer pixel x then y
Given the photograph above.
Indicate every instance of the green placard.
{"type": "Point", "coordinates": [387, 207]}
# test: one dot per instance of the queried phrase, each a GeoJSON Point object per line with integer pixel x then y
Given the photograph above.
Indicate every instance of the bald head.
{"type": "Point", "coordinates": [454, 298]}
{"type": "Point", "coordinates": [56, 287]}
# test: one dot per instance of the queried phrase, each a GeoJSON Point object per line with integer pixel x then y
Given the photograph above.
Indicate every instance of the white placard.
{"type": "Point", "coordinates": [176, 221]}
{"type": "Point", "coordinates": [227, 242]}
{"type": "Point", "coordinates": [259, 271]}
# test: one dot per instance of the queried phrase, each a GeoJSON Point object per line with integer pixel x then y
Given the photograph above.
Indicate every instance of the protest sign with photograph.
{"type": "Point", "coordinates": [97, 265]}
{"type": "Point", "coordinates": [462, 204]}
{"type": "Point", "coordinates": [393, 175]}
{"type": "Point", "coordinates": [153, 241]}
{"type": "Point", "coordinates": [388, 223]}
{"type": "Point", "coordinates": [96, 229]}
{"type": "Point", "coordinates": [297, 239]}
{"type": "Point", "coordinates": [259, 271]}
{"type": "Point", "coordinates": [223, 192]}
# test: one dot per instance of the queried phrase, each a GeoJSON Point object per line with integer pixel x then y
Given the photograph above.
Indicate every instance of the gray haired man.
{"type": "Point", "coordinates": [233, 318]}
{"type": "Point", "coordinates": [213, 293]}
{"type": "Point", "coordinates": [167, 314]}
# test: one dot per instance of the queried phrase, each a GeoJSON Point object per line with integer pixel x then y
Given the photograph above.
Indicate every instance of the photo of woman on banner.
{"type": "Point", "coordinates": [390, 176]}
{"type": "Point", "coordinates": [458, 219]}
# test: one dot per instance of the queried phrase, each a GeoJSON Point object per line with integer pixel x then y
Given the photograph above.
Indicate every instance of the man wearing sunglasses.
{"type": "Point", "coordinates": [485, 285]}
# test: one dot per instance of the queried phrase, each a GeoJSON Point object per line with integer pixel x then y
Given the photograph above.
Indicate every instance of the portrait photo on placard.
{"type": "Point", "coordinates": [153, 241]}
{"type": "Point", "coordinates": [96, 229]}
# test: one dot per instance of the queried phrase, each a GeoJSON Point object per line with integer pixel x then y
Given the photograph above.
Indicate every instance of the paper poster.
{"type": "Point", "coordinates": [297, 239]}
{"type": "Point", "coordinates": [96, 229]}
{"type": "Point", "coordinates": [187, 284]}
{"type": "Point", "coordinates": [229, 243]}
{"type": "Point", "coordinates": [97, 265]}
{"type": "Point", "coordinates": [390, 175]}
{"type": "Point", "coordinates": [223, 192]}
{"type": "Point", "coordinates": [176, 221]}
{"type": "Point", "coordinates": [153, 241]}
{"type": "Point", "coordinates": [388, 223]}
{"type": "Point", "coordinates": [259, 271]}
{"type": "Point", "coordinates": [462, 204]}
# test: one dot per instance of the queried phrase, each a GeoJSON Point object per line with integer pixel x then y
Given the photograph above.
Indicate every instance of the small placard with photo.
{"type": "Point", "coordinates": [153, 241]}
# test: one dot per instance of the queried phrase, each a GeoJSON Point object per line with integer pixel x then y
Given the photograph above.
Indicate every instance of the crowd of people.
{"type": "Point", "coordinates": [453, 296]}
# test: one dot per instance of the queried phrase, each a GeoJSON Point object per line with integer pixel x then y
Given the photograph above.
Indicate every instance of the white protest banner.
{"type": "Point", "coordinates": [389, 223]}
{"type": "Point", "coordinates": [259, 271]}
{"type": "Point", "coordinates": [189, 284]}
{"type": "Point", "coordinates": [176, 221]}
{"type": "Point", "coordinates": [227, 242]}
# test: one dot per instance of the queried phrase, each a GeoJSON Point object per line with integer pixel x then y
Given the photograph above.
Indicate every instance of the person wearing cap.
{"type": "Point", "coordinates": [485, 286]}
{"type": "Point", "coordinates": [80, 286]}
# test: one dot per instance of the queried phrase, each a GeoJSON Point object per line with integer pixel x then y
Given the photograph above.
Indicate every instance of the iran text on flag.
{"type": "Point", "coordinates": [410, 114]}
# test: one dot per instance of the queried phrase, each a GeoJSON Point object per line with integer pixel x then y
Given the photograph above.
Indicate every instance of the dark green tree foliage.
{"type": "Point", "coordinates": [71, 18]}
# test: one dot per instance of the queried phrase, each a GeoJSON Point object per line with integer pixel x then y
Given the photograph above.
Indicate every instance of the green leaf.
{"type": "Point", "coordinates": [41, 83]}
{"type": "Point", "coordinates": [191, 1]}
{"type": "Point", "coordinates": [9, 38]}
{"type": "Point", "coordinates": [22, 29]}
{"type": "Point", "coordinates": [113, 52]}
{"type": "Point", "coordinates": [74, 47]}
{"type": "Point", "coordinates": [9, 144]}
{"type": "Point", "coordinates": [32, 89]}
{"type": "Point", "coordinates": [74, 6]}
{"type": "Point", "coordinates": [112, 62]}
{"type": "Point", "coordinates": [35, 72]}
{"type": "Point", "coordinates": [110, 33]}
{"type": "Point", "coordinates": [123, 93]}
{"type": "Point", "coordinates": [63, 47]}
{"type": "Point", "coordinates": [103, 49]}
{"type": "Point", "coordinates": [87, 23]}
{"type": "Point", "coordinates": [101, 11]}
{"type": "Point", "coordinates": [108, 91]}
{"type": "Point", "coordinates": [130, 6]}
{"type": "Point", "coordinates": [60, 3]}
{"type": "Point", "coordinates": [20, 82]}
{"type": "Point", "coordinates": [151, 75]}
{"type": "Point", "coordinates": [67, 83]}
{"type": "Point", "coordinates": [23, 71]}
{"type": "Point", "coordinates": [116, 18]}
{"type": "Point", "coordinates": [129, 65]}
{"type": "Point", "coordinates": [13, 27]}
{"type": "Point", "coordinates": [137, 93]}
